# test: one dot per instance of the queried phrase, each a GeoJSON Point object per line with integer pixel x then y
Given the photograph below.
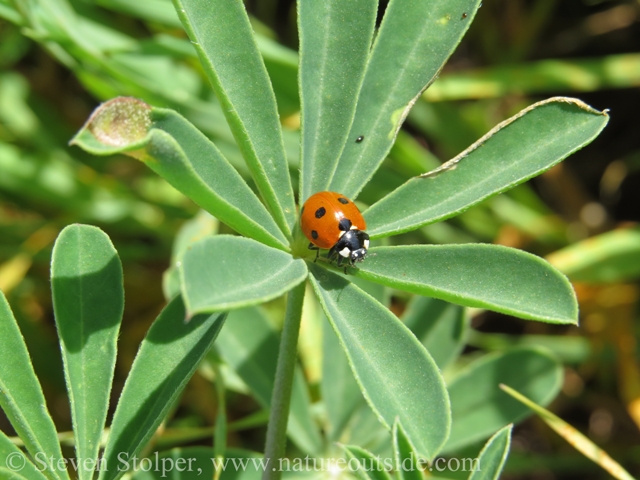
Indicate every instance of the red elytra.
{"type": "Point", "coordinates": [325, 216]}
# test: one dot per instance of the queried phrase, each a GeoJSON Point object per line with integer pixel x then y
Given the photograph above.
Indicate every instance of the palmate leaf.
{"type": "Point", "coordinates": [22, 399]}
{"type": "Point", "coordinates": [88, 300]}
{"type": "Point", "coordinates": [516, 150]}
{"type": "Point", "coordinates": [12, 459]}
{"type": "Point", "coordinates": [221, 34]}
{"type": "Point", "coordinates": [182, 155]}
{"type": "Point", "coordinates": [476, 275]}
{"type": "Point", "coordinates": [199, 227]}
{"type": "Point", "coordinates": [340, 392]}
{"type": "Point", "coordinates": [396, 374]}
{"type": "Point", "coordinates": [493, 456]}
{"type": "Point", "coordinates": [406, 459]}
{"type": "Point", "coordinates": [166, 360]}
{"type": "Point", "coordinates": [413, 43]}
{"type": "Point", "coordinates": [335, 40]}
{"type": "Point", "coordinates": [226, 272]}
{"type": "Point", "coordinates": [370, 467]}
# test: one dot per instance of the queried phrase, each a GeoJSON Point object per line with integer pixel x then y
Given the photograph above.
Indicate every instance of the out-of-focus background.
{"type": "Point", "coordinates": [60, 58]}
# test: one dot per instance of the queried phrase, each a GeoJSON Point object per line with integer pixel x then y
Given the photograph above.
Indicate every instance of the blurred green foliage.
{"type": "Point", "coordinates": [58, 59]}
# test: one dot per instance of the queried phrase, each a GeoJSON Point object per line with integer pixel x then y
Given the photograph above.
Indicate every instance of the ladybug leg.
{"type": "Point", "coordinates": [332, 254]}
{"type": "Point", "coordinates": [340, 260]}
{"type": "Point", "coordinates": [351, 263]}
{"type": "Point", "coordinates": [317, 249]}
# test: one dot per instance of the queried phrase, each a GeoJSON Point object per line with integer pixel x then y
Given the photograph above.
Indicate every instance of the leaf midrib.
{"type": "Point", "coordinates": [405, 222]}
{"type": "Point", "coordinates": [140, 437]}
{"type": "Point", "coordinates": [381, 111]}
{"type": "Point", "coordinates": [458, 295]}
{"type": "Point", "coordinates": [23, 423]}
{"type": "Point", "coordinates": [314, 155]}
{"type": "Point", "coordinates": [253, 286]}
{"type": "Point", "coordinates": [366, 354]}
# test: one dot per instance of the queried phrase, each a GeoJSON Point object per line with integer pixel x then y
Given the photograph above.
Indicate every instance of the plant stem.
{"type": "Point", "coordinates": [281, 397]}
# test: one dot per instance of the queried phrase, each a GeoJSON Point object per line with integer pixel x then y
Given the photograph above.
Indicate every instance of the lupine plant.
{"type": "Point", "coordinates": [357, 84]}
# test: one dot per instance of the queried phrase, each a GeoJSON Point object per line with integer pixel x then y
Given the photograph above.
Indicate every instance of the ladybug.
{"type": "Point", "coordinates": [330, 220]}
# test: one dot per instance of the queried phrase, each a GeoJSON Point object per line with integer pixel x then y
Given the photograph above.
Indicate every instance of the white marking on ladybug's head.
{"type": "Point", "coordinates": [345, 252]}
{"type": "Point", "coordinates": [366, 244]}
{"type": "Point", "coordinates": [353, 227]}
{"type": "Point", "coordinates": [342, 232]}
{"type": "Point", "coordinates": [358, 255]}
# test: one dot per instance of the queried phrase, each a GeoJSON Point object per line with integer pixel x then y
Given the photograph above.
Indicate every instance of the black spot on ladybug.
{"type": "Point", "coordinates": [464, 15]}
{"type": "Point", "coordinates": [314, 234]}
{"type": "Point", "coordinates": [320, 212]}
{"type": "Point", "coordinates": [359, 139]}
{"type": "Point", "coordinates": [345, 224]}
{"type": "Point", "coordinates": [343, 200]}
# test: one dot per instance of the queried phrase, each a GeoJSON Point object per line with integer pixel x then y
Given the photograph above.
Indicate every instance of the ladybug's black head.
{"type": "Point", "coordinates": [353, 246]}
{"type": "Point", "coordinates": [358, 255]}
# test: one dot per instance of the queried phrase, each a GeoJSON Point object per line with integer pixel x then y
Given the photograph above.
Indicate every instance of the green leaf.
{"type": "Point", "coordinates": [441, 327]}
{"type": "Point", "coordinates": [249, 345]}
{"type": "Point", "coordinates": [88, 300]}
{"type": "Point", "coordinates": [221, 34]}
{"type": "Point", "coordinates": [8, 474]}
{"type": "Point", "coordinates": [493, 456]}
{"type": "Point", "coordinates": [200, 226]}
{"type": "Point", "coordinates": [369, 466]}
{"type": "Point", "coordinates": [16, 461]}
{"type": "Point", "coordinates": [21, 396]}
{"type": "Point", "coordinates": [525, 145]}
{"type": "Point", "coordinates": [226, 272]}
{"type": "Point", "coordinates": [413, 43]}
{"type": "Point", "coordinates": [395, 373]}
{"type": "Point", "coordinates": [166, 360]}
{"type": "Point", "coordinates": [407, 462]}
{"type": "Point", "coordinates": [282, 65]}
{"type": "Point", "coordinates": [479, 407]}
{"type": "Point", "coordinates": [335, 41]}
{"type": "Point", "coordinates": [364, 429]}
{"type": "Point", "coordinates": [340, 393]}
{"type": "Point", "coordinates": [476, 275]}
{"type": "Point", "coordinates": [184, 157]}
{"type": "Point", "coordinates": [607, 258]}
